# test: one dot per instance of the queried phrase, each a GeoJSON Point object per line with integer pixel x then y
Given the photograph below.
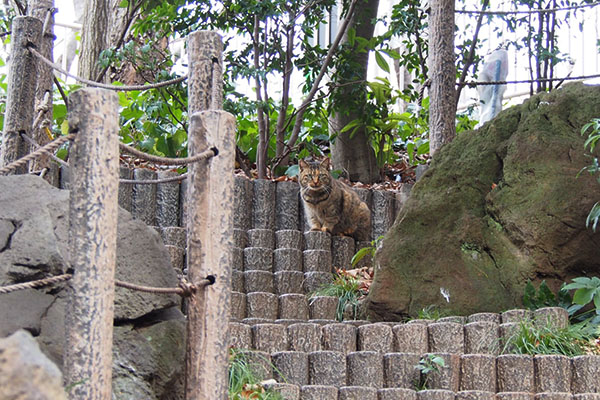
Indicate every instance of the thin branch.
{"type": "Point", "coordinates": [536, 11]}
{"type": "Point", "coordinates": [302, 109]}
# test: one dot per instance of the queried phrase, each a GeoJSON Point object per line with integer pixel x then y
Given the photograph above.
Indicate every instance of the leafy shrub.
{"type": "Point", "coordinates": [587, 291]}
{"type": "Point", "coordinates": [534, 339]}
{"type": "Point", "coordinates": [346, 288]}
{"type": "Point", "coordinates": [593, 137]}
{"type": "Point", "coordinates": [243, 384]}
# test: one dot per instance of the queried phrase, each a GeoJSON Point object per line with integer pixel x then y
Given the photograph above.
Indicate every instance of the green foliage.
{"type": "Point", "coordinates": [243, 383]}
{"type": "Point", "coordinates": [367, 251]}
{"type": "Point", "coordinates": [546, 339]}
{"type": "Point", "coordinates": [587, 291]}
{"type": "Point", "coordinates": [544, 297]}
{"type": "Point", "coordinates": [593, 136]}
{"type": "Point", "coordinates": [346, 288]}
{"type": "Point", "coordinates": [428, 364]}
{"type": "Point", "coordinates": [430, 312]}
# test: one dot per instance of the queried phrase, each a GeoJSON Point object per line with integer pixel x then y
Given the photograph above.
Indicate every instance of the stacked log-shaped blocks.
{"type": "Point", "coordinates": [296, 341]}
{"type": "Point", "coordinates": [377, 360]}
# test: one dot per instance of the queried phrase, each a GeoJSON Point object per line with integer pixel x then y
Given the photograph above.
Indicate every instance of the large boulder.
{"type": "Point", "coordinates": [498, 206]}
{"type": "Point", "coordinates": [34, 220]}
{"type": "Point", "coordinates": [25, 372]}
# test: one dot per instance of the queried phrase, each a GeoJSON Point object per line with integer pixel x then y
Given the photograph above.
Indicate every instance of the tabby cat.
{"type": "Point", "coordinates": [330, 205]}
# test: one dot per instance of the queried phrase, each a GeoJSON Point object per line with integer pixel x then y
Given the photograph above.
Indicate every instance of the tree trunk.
{"type": "Point", "coordinates": [442, 106]}
{"type": "Point", "coordinates": [354, 155]}
{"type": "Point", "coordinates": [94, 36]}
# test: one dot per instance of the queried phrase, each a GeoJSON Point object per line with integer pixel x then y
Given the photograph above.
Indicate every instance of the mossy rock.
{"type": "Point", "coordinates": [499, 206]}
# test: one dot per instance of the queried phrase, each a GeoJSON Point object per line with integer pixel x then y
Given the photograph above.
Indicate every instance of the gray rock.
{"type": "Point", "coordinates": [141, 259]}
{"type": "Point", "coordinates": [147, 362]}
{"type": "Point", "coordinates": [37, 246]}
{"type": "Point", "coordinates": [25, 372]}
{"type": "Point", "coordinates": [23, 310]}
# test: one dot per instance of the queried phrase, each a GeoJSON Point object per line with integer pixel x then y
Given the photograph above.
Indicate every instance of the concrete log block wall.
{"type": "Point", "coordinates": [276, 263]}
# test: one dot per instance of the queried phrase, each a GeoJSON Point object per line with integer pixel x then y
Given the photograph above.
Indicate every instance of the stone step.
{"type": "Point", "coordinates": [326, 392]}
{"type": "Point", "coordinates": [418, 337]}
{"type": "Point", "coordinates": [475, 376]}
{"type": "Point", "coordinates": [258, 204]}
{"type": "Point", "coordinates": [266, 305]}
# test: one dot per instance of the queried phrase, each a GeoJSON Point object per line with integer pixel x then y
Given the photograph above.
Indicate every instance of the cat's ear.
{"type": "Point", "coordinates": [325, 163]}
{"type": "Point", "coordinates": [302, 164]}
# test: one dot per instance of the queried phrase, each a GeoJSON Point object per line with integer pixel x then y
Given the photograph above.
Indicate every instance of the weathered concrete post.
{"type": "Point", "coordinates": [210, 243]}
{"type": "Point", "coordinates": [93, 114]}
{"type": "Point", "coordinates": [205, 81]}
{"type": "Point", "coordinates": [44, 11]}
{"type": "Point", "coordinates": [22, 74]}
{"type": "Point", "coordinates": [209, 222]}
{"type": "Point", "coordinates": [442, 69]}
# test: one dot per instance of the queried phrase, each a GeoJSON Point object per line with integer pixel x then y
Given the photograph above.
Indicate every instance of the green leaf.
{"type": "Point", "coordinates": [352, 124]}
{"type": "Point", "coordinates": [382, 62]}
{"type": "Point", "coordinates": [292, 170]}
{"type": "Point", "coordinates": [64, 127]}
{"type": "Point", "coordinates": [583, 296]}
{"type": "Point", "coordinates": [351, 36]}
{"type": "Point", "coordinates": [360, 254]}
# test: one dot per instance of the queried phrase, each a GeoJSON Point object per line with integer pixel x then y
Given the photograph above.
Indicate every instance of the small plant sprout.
{"type": "Point", "coordinates": [428, 364]}
{"type": "Point", "coordinates": [367, 251]}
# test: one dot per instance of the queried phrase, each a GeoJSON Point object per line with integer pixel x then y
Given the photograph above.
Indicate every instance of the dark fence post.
{"type": "Point", "coordinates": [22, 77]}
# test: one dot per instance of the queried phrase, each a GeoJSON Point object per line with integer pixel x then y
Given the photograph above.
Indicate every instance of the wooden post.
{"type": "Point", "coordinates": [210, 229]}
{"type": "Point", "coordinates": [205, 81]}
{"type": "Point", "coordinates": [22, 74]}
{"type": "Point", "coordinates": [44, 11]}
{"type": "Point", "coordinates": [93, 114]}
{"type": "Point", "coordinates": [209, 221]}
{"type": "Point", "coordinates": [442, 70]}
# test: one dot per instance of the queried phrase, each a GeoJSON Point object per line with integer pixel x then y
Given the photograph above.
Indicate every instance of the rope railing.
{"type": "Point", "coordinates": [184, 289]}
{"type": "Point", "coordinates": [205, 155]}
{"type": "Point", "coordinates": [50, 147]}
{"type": "Point", "coordinates": [566, 78]}
{"type": "Point", "coordinates": [105, 85]}
{"type": "Point", "coordinates": [154, 181]}
{"type": "Point", "coordinates": [536, 11]}
{"type": "Point", "coordinates": [37, 146]}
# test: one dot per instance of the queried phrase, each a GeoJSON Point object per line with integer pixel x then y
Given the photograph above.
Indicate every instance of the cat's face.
{"type": "Point", "coordinates": [314, 175]}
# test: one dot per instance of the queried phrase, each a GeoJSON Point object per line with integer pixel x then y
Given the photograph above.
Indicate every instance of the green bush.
{"type": "Point", "coordinates": [243, 383]}
{"type": "Point", "coordinates": [593, 137]}
{"type": "Point", "coordinates": [534, 339]}
{"type": "Point", "coordinates": [346, 288]}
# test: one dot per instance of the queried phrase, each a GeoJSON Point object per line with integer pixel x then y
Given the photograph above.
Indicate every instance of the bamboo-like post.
{"type": "Point", "coordinates": [442, 70]}
{"type": "Point", "coordinates": [205, 81]}
{"type": "Point", "coordinates": [210, 230]}
{"type": "Point", "coordinates": [22, 76]}
{"type": "Point", "coordinates": [93, 115]}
